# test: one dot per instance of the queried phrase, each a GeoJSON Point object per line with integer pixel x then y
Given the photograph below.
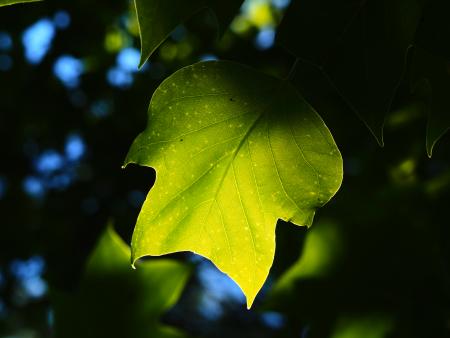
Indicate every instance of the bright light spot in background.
{"type": "Point", "coordinates": [35, 287]}
{"type": "Point", "coordinates": [24, 269]}
{"type": "Point", "coordinates": [240, 25]}
{"type": "Point", "coordinates": [265, 38]}
{"type": "Point", "coordinates": [48, 162]}
{"type": "Point", "coordinates": [33, 187]}
{"type": "Point", "coordinates": [218, 287]}
{"type": "Point", "coordinates": [263, 15]}
{"type": "Point", "coordinates": [75, 147]}
{"type": "Point", "coordinates": [281, 4]}
{"type": "Point", "coordinates": [127, 63]}
{"type": "Point", "coordinates": [259, 12]}
{"type": "Point", "coordinates": [28, 273]}
{"type": "Point", "coordinates": [68, 70]}
{"type": "Point", "coordinates": [274, 320]}
{"type": "Point", "coordinates": [128, 59]}
{"type": "Point", "coordinates": [115, 40]}
{"type": "Point", "coordinates": [3, 187]}
{"type": "Point", "coordinates": [6, 62]}
{"type": "Point", "coordinates": [218, 284]}
{"type": "Point", "coordinates": [210, 308]}
{"type": "Point", "coordinates": [5, 41]}
{"type": "Point", "coordinates": [55, 170]}
{"type": "Point", "coordinates": [37, 40]}
{"type": "Point", "coordinates": [61, 19]}
{"type": "Point", "coordinates": [117, 77]}
{"type": "Point", "coordinates": [208, 57]}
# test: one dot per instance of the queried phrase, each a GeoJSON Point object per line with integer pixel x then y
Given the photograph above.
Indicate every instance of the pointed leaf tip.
{"type": "Point", "coordinates": [157, 19]}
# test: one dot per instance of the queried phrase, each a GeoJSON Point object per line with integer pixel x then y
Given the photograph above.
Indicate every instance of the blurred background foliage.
{"type": "Point", "coordinates": [376, 262]}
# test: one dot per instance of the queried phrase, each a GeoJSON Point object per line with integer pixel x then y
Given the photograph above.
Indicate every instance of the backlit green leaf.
{"type": "Point", "coordinates": [12, 2]}
{"type": "Point", "coordinates": [234, 151]}
{"type": "Point", "coordinates": [115, 301]}
{"type": "Point", "coordinates": [158, 18]}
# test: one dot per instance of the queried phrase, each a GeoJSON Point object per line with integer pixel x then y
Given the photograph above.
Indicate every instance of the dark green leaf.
{"type": "Point", "coordinates": [158, 18]}
{"type": "Point", "coordinates": [360, 46]}
{"type": "Point", "coordinates": [431, 80]}
{"type": "Point", "coordinates": [431, 69]}
{"type": "Point", "coordinates": [115, 301]}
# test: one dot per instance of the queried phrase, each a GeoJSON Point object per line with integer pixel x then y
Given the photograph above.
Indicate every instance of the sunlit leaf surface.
{"type": "Point", "coordinates": [234, 151]}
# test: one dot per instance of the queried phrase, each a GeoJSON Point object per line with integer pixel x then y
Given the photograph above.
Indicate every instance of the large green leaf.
{"type": "Point", "coordinates": [115, 301]}
{"type": "Point", "coordinates": [12, 2]}
{"type": "Point", "coordinates": [234, 151]}
{"type": "Point", "coordinates": [360, 47]}
{"type": "Point", "coordinates": [158, 18]}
